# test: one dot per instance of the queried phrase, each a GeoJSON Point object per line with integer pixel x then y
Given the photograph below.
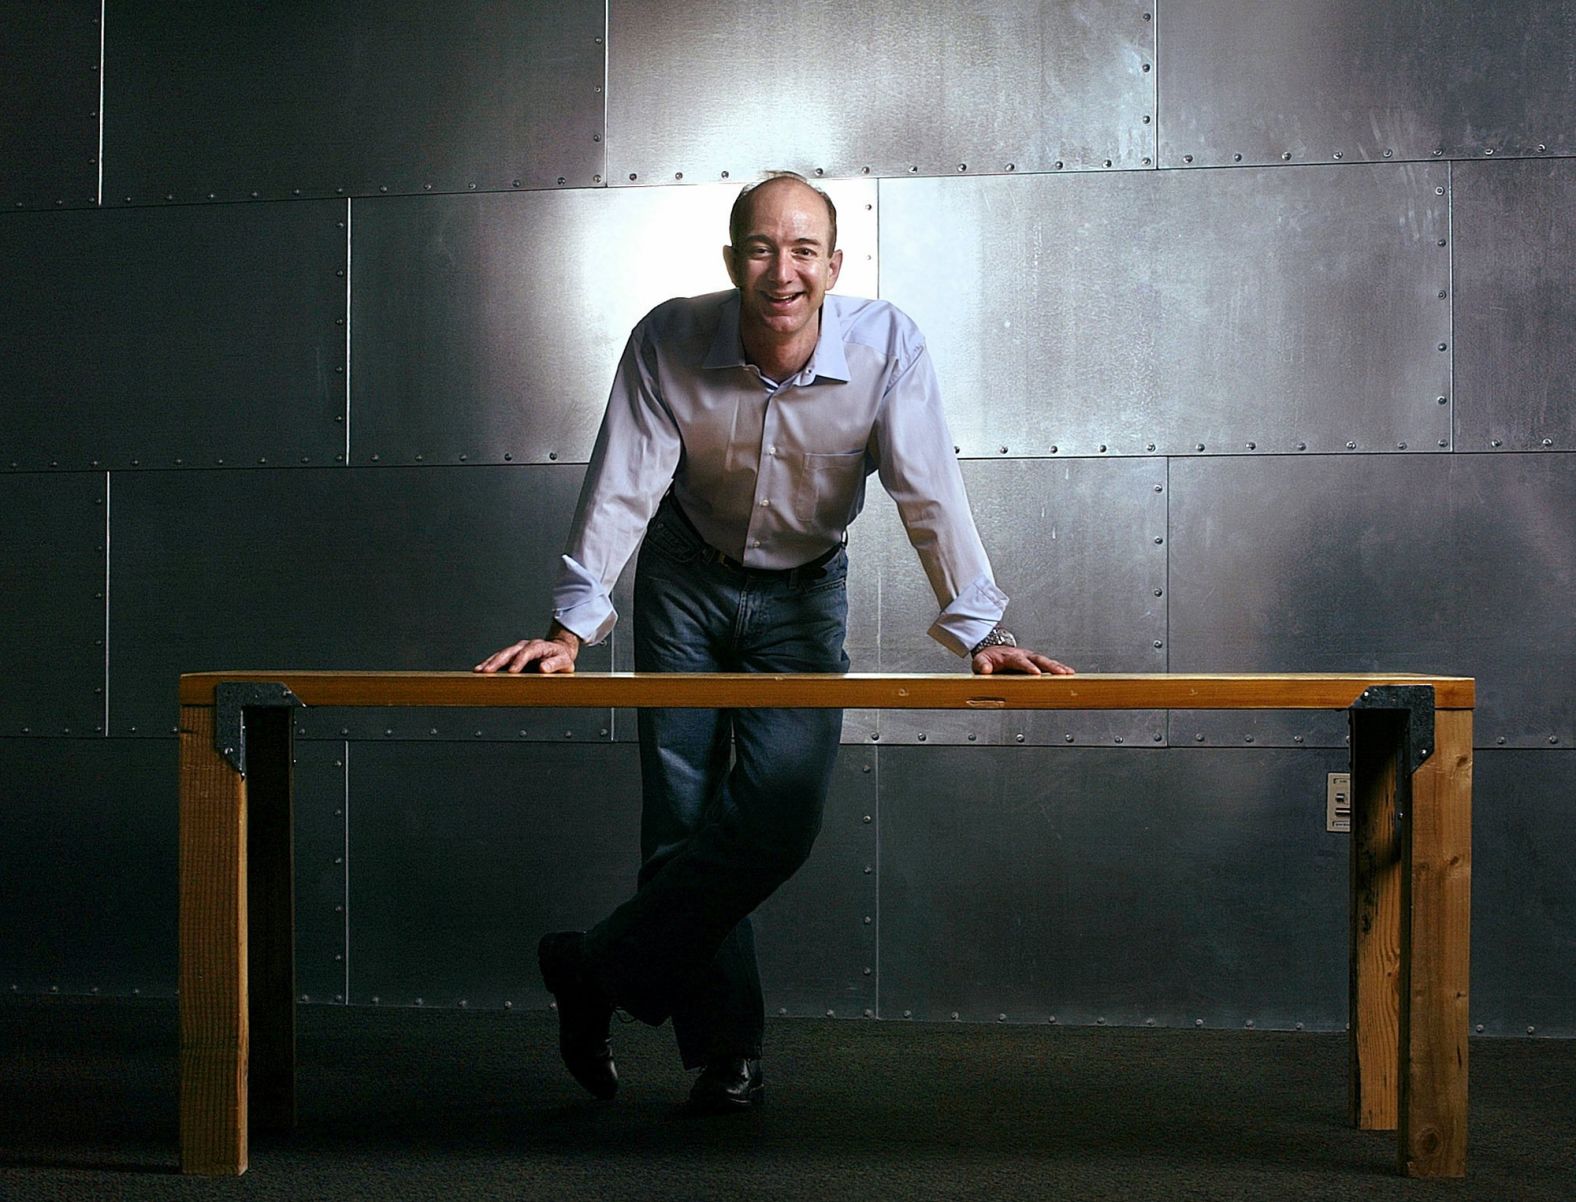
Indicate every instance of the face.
{"type": "Point", "coordinates": [783, 265]}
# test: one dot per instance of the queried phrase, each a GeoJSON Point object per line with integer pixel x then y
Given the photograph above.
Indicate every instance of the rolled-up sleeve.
{"type": "Point", "coordinates": [919, 469]}
{"type": "Point", "coordinates": [637, 450]}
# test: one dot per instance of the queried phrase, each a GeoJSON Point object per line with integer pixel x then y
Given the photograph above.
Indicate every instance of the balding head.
{"type": "Point", "coordinates": [739, 218]}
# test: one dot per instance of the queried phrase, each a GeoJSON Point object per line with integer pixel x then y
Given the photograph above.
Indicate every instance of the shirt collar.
{"type": "Point", "coordinates": [828, 361]}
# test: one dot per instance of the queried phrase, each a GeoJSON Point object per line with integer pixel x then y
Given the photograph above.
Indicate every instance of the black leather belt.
{"type": "Point", "coordinates": [809, 570]}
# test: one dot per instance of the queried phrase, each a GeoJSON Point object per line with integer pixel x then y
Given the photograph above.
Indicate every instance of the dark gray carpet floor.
{"type": "Point", "coordinates": [430, 1104]}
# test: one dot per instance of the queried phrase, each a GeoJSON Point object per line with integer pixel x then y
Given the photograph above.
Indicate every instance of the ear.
{"type": "Point", "coordinates": [834, 269]}
{"type": "Point", "coordinates": [731, 263]}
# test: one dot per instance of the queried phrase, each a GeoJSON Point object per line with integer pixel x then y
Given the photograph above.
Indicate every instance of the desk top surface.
{"type": "Point", "coordinates": [854, 690]}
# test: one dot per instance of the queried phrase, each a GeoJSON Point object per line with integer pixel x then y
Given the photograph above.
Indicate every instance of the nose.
{"type": "Point", "coordinates": [781, 266]}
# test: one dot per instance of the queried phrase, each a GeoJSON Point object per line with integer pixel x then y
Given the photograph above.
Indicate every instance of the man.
{"type": "Point", "coordinates": [736, 443]}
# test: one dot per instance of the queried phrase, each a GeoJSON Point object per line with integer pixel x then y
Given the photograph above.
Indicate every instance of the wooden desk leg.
{"type": "Point", "coordinates": [213, 976]}
{"type": "Point", "coordinates": [271, 916]}
{"type": "Point", "coordinates": [1375, 1003]}
{"type": "Point", "coordinates": [1436, 919]}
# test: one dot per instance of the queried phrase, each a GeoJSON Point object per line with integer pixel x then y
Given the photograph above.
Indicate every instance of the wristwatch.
{"type": "Point", "coordinates": [996, 638]}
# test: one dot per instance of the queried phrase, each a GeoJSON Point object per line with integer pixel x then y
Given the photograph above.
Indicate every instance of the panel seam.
{"type": "Point", "coordinates": [104, 715]}
{"type": "Point", "coordinates": [99, 158]}
{"type": "Point", "coordinates": [346, 398]}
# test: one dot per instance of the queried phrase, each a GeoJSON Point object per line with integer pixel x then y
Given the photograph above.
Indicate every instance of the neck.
{"type": "Point", "coordinates": [780, 359]}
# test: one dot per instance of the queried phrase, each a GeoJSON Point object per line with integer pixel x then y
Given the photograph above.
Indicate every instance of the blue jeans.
{"type": "Point", "coordinates": [731, 799]}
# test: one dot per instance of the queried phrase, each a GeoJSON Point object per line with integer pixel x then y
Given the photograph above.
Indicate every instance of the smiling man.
{"type": "Point", "coordinates": [740, 431]}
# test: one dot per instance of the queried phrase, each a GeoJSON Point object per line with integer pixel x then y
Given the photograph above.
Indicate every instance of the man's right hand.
{"type": "Point", "coordinates": [555, 653]}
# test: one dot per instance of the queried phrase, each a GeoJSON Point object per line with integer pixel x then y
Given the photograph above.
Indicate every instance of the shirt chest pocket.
{"type": "Point", "coordinates": [829, 490]}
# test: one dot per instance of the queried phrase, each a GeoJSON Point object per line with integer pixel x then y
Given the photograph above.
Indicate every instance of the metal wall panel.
{"type": "Point", "coordinates": [488, 328]}
{"type": "Point", "coordinates": [1515, 304]}
{"type": "Point", "coordinates": [350, 98]}
{"type": "Point", "coordinates": [1079, 546]}
{"type": "Point", "coordinates": [190, 336]}
{"type": "Point", "coordinates": [1327, 80]}
{"type": "Point", "coordinates": [52, 530]}
{"type": "Point", "coordinates": [49, 138]}
{"type": "Point", "coordinates": [87, 866]}
{"type": "Point", "coordinates": [1524, 893]}
{"type": "Point", "coordinates": [1225, 313]}
{"type": "Point", "coordinates": [427, 568]}
{"type": "Point", "coordinates": [461, 857]}
{"type": "Point", "coordinates": [815, 937]}
{"type": "Point", "coordinates": [1442, 563]}
{"type": "Point", "coordinates": [321, 891]}
{"type": "Point", "coordinates": [1103, 885]}
{"type": "Point", "coordinates": [704, 89]}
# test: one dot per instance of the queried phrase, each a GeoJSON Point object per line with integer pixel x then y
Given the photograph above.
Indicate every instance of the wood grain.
{"type": "Point", "coordinates": [1374, 1013]}
{"type": "Point", "coordinates": [725, 690]}
{"type": "Point", "coordinates": [213, 970]}
{"type": "Point", "coordinates": [1436, 956]}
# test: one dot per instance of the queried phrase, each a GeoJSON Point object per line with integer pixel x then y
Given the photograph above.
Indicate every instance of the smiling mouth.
{"type": "Point", "coordinates": [782, 301]}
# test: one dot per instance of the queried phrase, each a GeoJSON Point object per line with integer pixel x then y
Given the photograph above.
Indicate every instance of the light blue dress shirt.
{"type": "Point", "coordinates": [771, 473]}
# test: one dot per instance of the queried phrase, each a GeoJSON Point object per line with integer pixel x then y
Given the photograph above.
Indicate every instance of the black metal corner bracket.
{"type": "Point", "coordinates": [230, 700]}
{"type": "Point", "coordinates": [1417, 700]}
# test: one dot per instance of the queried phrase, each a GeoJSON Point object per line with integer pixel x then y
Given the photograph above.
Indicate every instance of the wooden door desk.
{"type": "Point", "coordinates": [1411, 858]}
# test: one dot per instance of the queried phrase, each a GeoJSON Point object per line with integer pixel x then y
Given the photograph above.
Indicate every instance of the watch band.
{"type": "Point", "coordinates": [996, 638]}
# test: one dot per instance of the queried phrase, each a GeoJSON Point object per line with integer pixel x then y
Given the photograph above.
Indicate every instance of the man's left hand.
{"type": "Point", "coordinates": [1017, 659]}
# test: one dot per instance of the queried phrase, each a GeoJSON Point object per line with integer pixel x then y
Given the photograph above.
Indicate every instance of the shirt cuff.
{"type": "Point", "coordinates": [580, 604]}
{"type": "Point", "coordinates": [972, 615]}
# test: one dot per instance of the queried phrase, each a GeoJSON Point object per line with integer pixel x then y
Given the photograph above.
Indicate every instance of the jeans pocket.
{"type": "Point", "coordinates": [667, 538]}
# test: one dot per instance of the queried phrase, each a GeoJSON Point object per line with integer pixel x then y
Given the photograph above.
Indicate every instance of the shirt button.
{"type": "Point", "coordinates": [764, 502]}
{"type": "Point", "coordinates": [772, 450]}
{"type": "Point", "coordinates": [755, 542]}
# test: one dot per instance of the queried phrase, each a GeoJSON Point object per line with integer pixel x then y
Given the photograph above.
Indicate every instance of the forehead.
{"type": "Point", "coordinates": [786, 205]}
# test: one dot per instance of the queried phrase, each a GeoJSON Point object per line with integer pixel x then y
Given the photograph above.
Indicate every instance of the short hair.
{"type": "Point", "coordinates": [736, 218]}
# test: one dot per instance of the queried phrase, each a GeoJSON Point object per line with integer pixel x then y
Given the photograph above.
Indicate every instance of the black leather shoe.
{"type": "Point", "coordinates": [728, 1085]}
{"type": "Point", "coordinates": [584, 1013]}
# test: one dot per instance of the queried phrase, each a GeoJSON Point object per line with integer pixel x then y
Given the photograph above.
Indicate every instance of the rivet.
{"type": "Point", "coordinates": [1441, 242]}
{"type": "Point", "coordinates": [1012, 166]}
{"type": "Point", "coordinates": [1351, 446]}
{"type": "Point", "coordinates": [1147, 118]}
{"type": "Point", "coordinates": [1018, 738]}
{"type": "Point", "coordinates": [1252, 446]}
{"type": "Point", "coordinates": [1438, 150]}
{"type": "Point", "coordinates": [1158, 644]}
{"type": "Point", "coordinates": [920, 736]}
{"type": "Point", "coordinates": [1102, 448]}
{"type": "Point", "coordinates": [1058, 164]}
{"type": "Point", "coordinates": [1198, 738]}
{"type": "Point", "coordinates": [1554, 739]}
{"type": "Point", "coordinates": [1494, 442]}
{"type": "Point", "coordinates": [911, 170]}
{"type": "Point", "coordinates": [632, 175]}
{"type": "Point", "coordinates": [1479, 1028]}
{"type": "Point", "coordinates": [1198, 446]}
{"type": "Point", "coordinates": [1541, 148]}
{"type": "Point", "coordinates": [1500, 740]}
{"type": "Point", "coordinates": [963, 166]}
{"type": "Point", "coordinates": [1338, 155]}
{"type": "Point", "coordinates": [1439, 191]}
{"type": "Point", "coordinates": [1149, 446]}
{"type": "Point", "coordinates": [1296, 738]}
{"type": "Point", "coordinates": [908, 1014]}
{"type": "Point", "coordinates": [1159, 592]}
{"type": "Point", "coordinates": [1388, 153]}
{"type": "Point", "coordinates": [1187, 158]}
{"type": "Point", "coordinates": [820, 171]}
{"type": "Point", "coordinates": [1159, 539]}
{"type": "Point", "coordinates": [1248, 1024]}
{"type": "Point", "coordinates": [954, 1016]}
{"type": "Point", "coordinates": [1247, 738]}
{"type": "Point", "coordinates": [1490, 150]}
{"type": "Point", "coordinates": [1108, 162]}
{"type": "Point", "coordinates": [1053, 448]}
{"type": "Point", "coordinates": [596, 179]}
{"type": "Point", "coordinates": [1548, 442]}
{"type": "Point", "coordinates": [867, 920]}
{"type": "Point", "coordinates": [1444, 442]}
{"type": "Point", "coordinates": [1003, 450]}
{"type": "Point", "coordinates": [867, 818]}
{"type": "Point", "coordinates": [1067, 738]}
{"type": "Point", "coordinates": [1400, 446]}
{"type": "Point", "coordinates": [1236, 158]}
{"type": "Point", "coordinates": [1147, 160]}
{"type": "Point", "coordinates": [678, 175]}
{"type": "Point", "coordinates": [1286, 156]}
{"type": "Point", "coordinates": [1302, 446]}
